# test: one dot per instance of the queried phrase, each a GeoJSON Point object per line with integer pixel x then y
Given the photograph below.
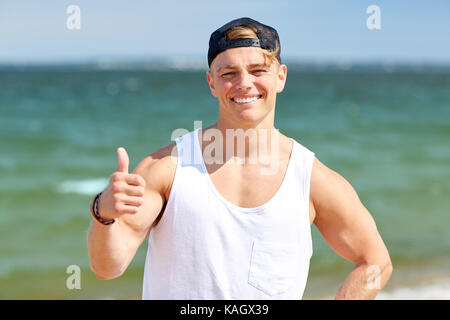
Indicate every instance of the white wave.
{"type": "Point", "coordinates": [85, 187]}
{"type": "Point", "coordinates": [433, 291]}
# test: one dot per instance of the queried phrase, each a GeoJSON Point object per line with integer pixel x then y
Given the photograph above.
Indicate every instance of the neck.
{"type": "Point", "coordinates": [249, 143]}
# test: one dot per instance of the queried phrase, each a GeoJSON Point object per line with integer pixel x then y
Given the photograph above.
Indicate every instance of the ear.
{"type": "Point", "coordinates": [281, 78]}
{"type": "Point", "coordinates": [210, 79]}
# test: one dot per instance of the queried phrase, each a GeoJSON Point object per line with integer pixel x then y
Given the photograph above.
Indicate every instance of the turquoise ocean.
{"type": "Point", "coordinates": [386, 130]}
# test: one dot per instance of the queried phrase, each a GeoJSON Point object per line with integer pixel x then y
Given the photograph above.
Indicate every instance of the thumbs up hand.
{"type": "Point", "coordinates": [125, 192]}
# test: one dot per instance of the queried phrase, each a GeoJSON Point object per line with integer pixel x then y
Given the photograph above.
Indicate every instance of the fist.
{"type": "Point", "coordinates": [125, 192]}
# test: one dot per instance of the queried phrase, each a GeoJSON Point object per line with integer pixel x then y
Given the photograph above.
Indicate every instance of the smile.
{"type": "Point", "coordinates": [245, 100]}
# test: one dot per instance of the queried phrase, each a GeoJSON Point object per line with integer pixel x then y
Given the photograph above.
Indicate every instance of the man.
{"type": "Point", "coordinates": [226, 229]}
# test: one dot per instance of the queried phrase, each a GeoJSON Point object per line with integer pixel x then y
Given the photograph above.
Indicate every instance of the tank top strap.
{"type": "Point", "coordinates": [188, 154]}
{"type": "Point", "coordinates": [303, 167]}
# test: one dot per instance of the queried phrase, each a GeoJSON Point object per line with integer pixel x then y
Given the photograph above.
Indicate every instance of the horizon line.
{"type": "Point", "coordinates": [186, 63]}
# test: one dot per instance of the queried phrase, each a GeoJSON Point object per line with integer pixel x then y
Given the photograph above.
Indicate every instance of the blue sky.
{"type": "Point", "coordinates": [35, 31]}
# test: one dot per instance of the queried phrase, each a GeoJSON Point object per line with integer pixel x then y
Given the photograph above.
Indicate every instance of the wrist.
{"type": "Point", "coordinates": [103, 209]}
{"type": "Point", "coordinates": [94, 208]}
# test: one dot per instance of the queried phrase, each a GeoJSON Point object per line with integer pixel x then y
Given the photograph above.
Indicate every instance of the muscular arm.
{"type": "Point", "coordinates": [112, 248]}
{"type": "Point", "coordinates": [351, 232]}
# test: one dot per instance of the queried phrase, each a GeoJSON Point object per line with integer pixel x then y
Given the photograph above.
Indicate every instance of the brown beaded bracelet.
{"type": "Point", "coordinates": [94, 211]}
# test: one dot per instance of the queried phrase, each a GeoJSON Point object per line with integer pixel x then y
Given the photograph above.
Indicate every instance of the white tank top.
{"type": "Point", "coordinates": [205, 247]}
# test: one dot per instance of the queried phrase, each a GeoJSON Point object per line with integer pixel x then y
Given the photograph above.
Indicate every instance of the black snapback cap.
{"type": "Point", "coordinates": [267, 38]}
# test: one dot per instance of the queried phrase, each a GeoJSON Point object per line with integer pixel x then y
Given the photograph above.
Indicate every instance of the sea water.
{"type": "Point", "coordinates": [386, 131]}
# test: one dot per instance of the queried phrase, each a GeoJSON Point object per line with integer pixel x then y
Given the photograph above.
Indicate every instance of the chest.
{"type": "Point", "coordinates": [247, 185]}
{"type": "Point", "coordinates": [250, 186]}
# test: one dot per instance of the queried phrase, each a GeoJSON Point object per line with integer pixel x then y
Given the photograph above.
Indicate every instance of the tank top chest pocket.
{"type": "Point", "coordinates": [274, 266]}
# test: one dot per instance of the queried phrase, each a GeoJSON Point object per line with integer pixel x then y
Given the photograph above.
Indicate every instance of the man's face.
{"type": "Point", "coordinates": [246, 83]}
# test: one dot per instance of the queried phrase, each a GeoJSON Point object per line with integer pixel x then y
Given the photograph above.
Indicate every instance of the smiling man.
{"type": "Point", "coordinates": [219, 225]}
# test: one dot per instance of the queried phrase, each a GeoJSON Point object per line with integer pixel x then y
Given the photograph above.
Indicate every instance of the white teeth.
{"type": "Point", "coordinates": [246, 100]}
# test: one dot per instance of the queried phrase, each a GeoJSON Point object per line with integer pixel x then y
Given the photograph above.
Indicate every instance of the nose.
{"type": "Point", "coordinates": [244, 80]}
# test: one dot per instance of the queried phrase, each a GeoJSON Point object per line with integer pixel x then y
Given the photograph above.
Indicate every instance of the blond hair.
{"type": "Point", "coordinates": [248, 31]}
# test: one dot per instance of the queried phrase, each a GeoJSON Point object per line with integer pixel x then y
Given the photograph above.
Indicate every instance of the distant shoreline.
{"type": "Point", "coordinates": [200, 65]}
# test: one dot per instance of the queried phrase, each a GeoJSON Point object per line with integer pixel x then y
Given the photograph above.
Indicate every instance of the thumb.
{"type": "Point", "coordinates": [123, 160]}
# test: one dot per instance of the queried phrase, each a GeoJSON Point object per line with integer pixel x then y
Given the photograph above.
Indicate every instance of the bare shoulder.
{"type": "Point", "coordinates": [321, 173]}
{"type": "Point", "coordinates": [158, 168]}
